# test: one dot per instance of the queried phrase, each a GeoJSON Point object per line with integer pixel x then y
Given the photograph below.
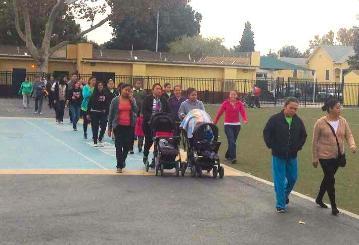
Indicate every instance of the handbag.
{"type": "Point", "coordinates": [342, 161]}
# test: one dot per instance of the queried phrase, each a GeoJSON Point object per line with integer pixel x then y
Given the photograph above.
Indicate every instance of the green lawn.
{"type": "Point", "coordinates": [253, 156]}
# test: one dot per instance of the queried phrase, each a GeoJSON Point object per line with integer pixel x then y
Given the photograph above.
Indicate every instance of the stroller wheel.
{"type": "Point", "coordinates": [199, 171]}
{"type": "Point", "coordinates": [221, 172]}
{"type": "Point", "coordinates": [161, 169]}
{"type": "Point", "coordinates": [215, 172]}
{"type": "Point", "coordinates": [193, 171]}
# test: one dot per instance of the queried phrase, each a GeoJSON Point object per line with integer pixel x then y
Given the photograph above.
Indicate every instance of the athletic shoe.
{"type": "Point", "coordinates": [95, 145]}
{"type": "Point", "coordinates": [131, 152]}
{"type": "Point", "coordinates": [119, 170]}
{"type": "Point", "coordinates": [145, 159]}
{"type": "Point", "coordinates": [85, 136]}
{"type": "Point", "coordinates": [139, 150]}
{"type": "Point", "coordinates": [35, 112]}
{"type": "Point", "coordinates": [75, 129]}
{"type": "Point", "coordinates": [321, 204]}
{"type": "Point", "coordinates": [335, 211]}
{"type": "Point", "coordinates": [281, 210]}
{"type": "Point", "coordinates": [40, 113]}
{"type": "Point", "coordinates": [100, 144]}
{"type": "Point", "coordinates": [234, 161]}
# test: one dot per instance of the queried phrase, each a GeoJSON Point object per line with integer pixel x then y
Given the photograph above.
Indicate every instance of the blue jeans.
{"type": "Point", "coordinates": [285, 174]}
{"type": "Point", "coordinates": [75, 112]}
{"type": "Point", "coordinates": [232, 132]}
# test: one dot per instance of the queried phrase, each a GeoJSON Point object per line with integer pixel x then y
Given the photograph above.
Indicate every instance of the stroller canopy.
{"type": "Point", "coordinates": [162, 122]}
{"type": "Point", "coordinates": [193, 119]}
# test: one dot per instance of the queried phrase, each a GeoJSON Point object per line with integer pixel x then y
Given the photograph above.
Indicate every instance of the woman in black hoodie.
{"type": "Point", "coordinates": [97, 112]}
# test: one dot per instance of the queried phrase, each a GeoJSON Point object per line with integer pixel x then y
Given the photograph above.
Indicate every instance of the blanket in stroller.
{"type": "Point", "coordinates": [194, 118]}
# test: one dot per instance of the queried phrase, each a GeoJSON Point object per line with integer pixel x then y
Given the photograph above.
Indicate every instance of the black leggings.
{"type": "Point", "coordinates": [122, 143]}
{"type": "Point", "coordinates": [98, 120]}
{"type": "Point", "coordinates": [85, 121]}
{"type": "Point", "coordinates": [330, 167]}
{"type": "Point", "coordinates": [60, 108]}
{"type": "Point", "coordinates": [148, 138]}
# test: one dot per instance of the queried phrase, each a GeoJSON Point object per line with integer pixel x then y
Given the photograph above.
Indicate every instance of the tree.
{"type": "Point", "coordinates": [25, 15]}
{"type": "Point", "coordinates": [138, 30]}
{"type": "Point", "coordinates": [65, 28]}
{"type": "Point", "coordinates": [247, 42]}
{"type": "Point", "coordinates": [198, 47]}
{"type": "Point", "coordinates": [354, 60]}
{"type": "Point", "coordinates": [272, 54]}
{"type": "Point", "coordinates": [346, 37]}
{"type": "Point", "coordinates": [290, 51]}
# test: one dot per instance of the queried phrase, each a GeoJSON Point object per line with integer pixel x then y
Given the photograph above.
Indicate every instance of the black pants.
{"type": "Point", "coordinates": [98, 120]}
{"type": "Point", "coordinates": [122, 144]}
{"type": "Point", "coordinates": [330, 167]}
{"type": "Point", "coordinates": [132, 139]}
{"type": "Point", "coordinates": [51, 100]}
{"type": "Point", "coordinates": [257, 102]}
{"type": "Point", "coordinates": [60, 108]}
{"type": "Point", "coordinates": [232, 132]}
{"type": "Point", "coordinates": [85, 121]}
{"type": "Point", "coordinates": [148, 138]}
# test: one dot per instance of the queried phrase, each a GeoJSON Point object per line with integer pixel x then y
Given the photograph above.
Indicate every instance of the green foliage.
{"type": "Point", "coordinates": [247, 42]}
{"type": "Point", "coordinates": [290, 51]}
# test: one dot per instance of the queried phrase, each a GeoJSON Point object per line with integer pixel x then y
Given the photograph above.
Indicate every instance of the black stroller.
{"type": "Point", "coordinates": [202, 153]}
{"type": "Point", "coordinates": [166, 153]}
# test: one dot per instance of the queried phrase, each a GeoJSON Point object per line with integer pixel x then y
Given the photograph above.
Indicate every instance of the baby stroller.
{"type": "Point", "coordinates": [166, 154]}
{"type": "Point", "coordinates": [203, 144]}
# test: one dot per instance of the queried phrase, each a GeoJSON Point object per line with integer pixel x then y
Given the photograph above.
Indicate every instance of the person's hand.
{"type": "Point", "coordinates": [245, 122]}
{"type": "Point", "coordinates": [109, 133]}
{"type": "Point", "coordinates": [315, 164]}
{"type": "Point", "coordinates": [88, 117]}
{"type": "Point", "coordinates": [54, 101]}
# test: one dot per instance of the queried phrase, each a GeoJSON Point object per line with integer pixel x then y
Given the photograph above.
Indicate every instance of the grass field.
{"type": "Point", "coordinates": [253, 156]}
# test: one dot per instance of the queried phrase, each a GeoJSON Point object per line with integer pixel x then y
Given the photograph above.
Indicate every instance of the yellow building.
{"type": "Point", "coordinates": [104, 64]}
{"type": "Point", "coordinates": [351, 88]}
{"type": "Point", "coordinates": [330, 63]}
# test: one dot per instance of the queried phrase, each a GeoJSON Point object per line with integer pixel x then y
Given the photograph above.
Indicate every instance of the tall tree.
{"type": "Point", "coordinates": [25, 12]}
{"type": "Point", "coordinates": [247, 42]}
{"type": "Point", "coordinates": [66, 27]}
{"type": "Point", "coordinates": [346, 36]}
{"type": "Point", "coordinates": [290, 51]}
{"type": "Point", "coordinates": [198, 47]}
{"type": "Point", "coordinates": [138, 28]}
{"type": "Point", "coordinates": [354, 60]}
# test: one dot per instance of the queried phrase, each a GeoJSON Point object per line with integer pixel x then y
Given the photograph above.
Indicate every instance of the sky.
{"type": "Point", "coordinates": [275, 22]}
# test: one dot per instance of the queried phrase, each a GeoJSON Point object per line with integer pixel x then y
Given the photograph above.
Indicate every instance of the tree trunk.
{"type": "Point", "coordinates": [43, 64]}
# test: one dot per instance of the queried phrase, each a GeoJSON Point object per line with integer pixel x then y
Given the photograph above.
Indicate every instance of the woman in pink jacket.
{"type": "Point", "coordinates": [234, 111]}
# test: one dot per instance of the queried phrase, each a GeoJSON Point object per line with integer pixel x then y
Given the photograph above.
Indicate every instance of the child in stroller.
{"type": "Point", "coordinates": [203, 144]}
{"type": "Point", "coordinates": [166, 154]}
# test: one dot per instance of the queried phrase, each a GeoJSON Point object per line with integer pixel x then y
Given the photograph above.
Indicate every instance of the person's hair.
{"type": "Point", "coordinates": [177, 86]}
{"type": "Point", "coordinates": [166, 84]}
{"type": "Point", "coordinates": [329, 104]}
{"type": "Point", "coordinates": [109, 80]}
{"type": "Point", "coordinates": [155, 85]}
{"type": "Point", "coordinates": [125, 85]}
{"type": "Point", "coordinates": [74, 73]}
{"type": "Point", "coordinates": [190, 91]}
{"type": "Point", "coordinates": [291, 100]}
{"type": "Point", "coordinates": [95, 91]}
{"type": "Point", "coordinates": [92, 77]}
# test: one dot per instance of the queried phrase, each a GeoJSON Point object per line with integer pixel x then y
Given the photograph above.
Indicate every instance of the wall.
{"type": "Point", "coordinates": [8, 64]}
{"type": "Point", "coordinates": [119, 69]}
{"type": "Point", "coordinates": [351, 89]}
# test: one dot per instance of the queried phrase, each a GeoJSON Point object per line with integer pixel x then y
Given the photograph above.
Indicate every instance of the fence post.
{"type": "Point", "coordinates": [305, 93]}
{"type": "Point", "coordinates": [314, 89]}
{"type": "Point", "coordinates": [213, 90]}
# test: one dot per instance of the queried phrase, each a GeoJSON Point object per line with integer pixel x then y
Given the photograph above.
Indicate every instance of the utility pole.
{"type": "Point", "coordinates": [158, 23]}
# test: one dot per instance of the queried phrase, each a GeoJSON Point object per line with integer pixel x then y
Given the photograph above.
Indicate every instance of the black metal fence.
{"type": "Point", "coordinates": [213, 90]}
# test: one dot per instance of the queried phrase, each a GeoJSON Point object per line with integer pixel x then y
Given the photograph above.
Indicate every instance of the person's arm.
{"type": "Point", "coordinates": [90, 104]}
{"type": "Point", "coordinates": [111, 116]}
{"type": "Point", "coordinates": [181, 110]}
{"type": "Point", "coordinates": [219, 113]}
{"type": "Point", "coordinates": [268, 132]}
{"type": "Point", "coordinates": [303, 135]}
{"type": "Point", "coordinates": [349, 138]}
{"type": "Point", "coordinates": [243, 112]}
{"type": "Point", "coordinates": [316, 133]}
{"type": "Point", "coordinates": [20, 90]}
{"type": "Point", "coordinates": [146, 109]}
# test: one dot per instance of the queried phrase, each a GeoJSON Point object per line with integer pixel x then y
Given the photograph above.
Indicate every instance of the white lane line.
{"type": "Point", "coordinates": [350, 214]}
{"type": "Point", "coordinates": [66, 145]}
{"type": "Point", "coordinates": [36, 118]}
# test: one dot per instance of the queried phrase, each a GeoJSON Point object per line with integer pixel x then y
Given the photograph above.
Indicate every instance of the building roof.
{"type": "Point", "coordinates": [149, 56]}
{"type": "Point", "coordinates": [9, 50]}
{"type": "Point", "coordinates": [295, 61]}
{"type": "Point", "coordinates": [339, 54]}
{"type": "Point", "coordinates": [272, 63]}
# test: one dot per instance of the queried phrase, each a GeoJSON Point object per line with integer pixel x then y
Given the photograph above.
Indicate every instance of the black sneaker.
{"type": "Point", "coordinates": [335, 211]}
{"type": "Point", "coordinates": [321, 204]}
{"type": "Point", "coordinates": [85, 136]}
{"type": "Point", "coordinates": [145, 159]}
{"type": "Point", "coordinates": [131, 152]}
{"type": "Point", "coordinates": [281, 210]}
{"type": "Point", "coordinates": [139, 150]}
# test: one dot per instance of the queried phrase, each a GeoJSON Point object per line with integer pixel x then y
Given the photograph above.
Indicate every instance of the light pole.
{"type": "Point", "coordinates": [158, 22]}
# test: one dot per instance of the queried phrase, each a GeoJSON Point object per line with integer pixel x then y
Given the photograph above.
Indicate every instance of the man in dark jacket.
{"type": "Point", "coordinates": [151, 105]}
{"type": "Point", "coordinates": [285, 135]}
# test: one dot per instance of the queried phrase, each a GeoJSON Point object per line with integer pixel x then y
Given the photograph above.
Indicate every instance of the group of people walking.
{"type": "Point", "coordinates": [126, 114]}
{"type": "Point", "coordinates": [285, 135]}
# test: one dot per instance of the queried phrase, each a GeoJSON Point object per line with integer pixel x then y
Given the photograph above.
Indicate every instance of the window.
{"type": "Point", "coordinates": [327, 75]}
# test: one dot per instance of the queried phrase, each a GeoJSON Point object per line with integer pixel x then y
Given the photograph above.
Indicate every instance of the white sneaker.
{"type": "Point", "coordinates": [100, 144]}
{"type": "Point", "coordinates": [95, 145]}
{"type": "Point", "coordinates": [35, 112]}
